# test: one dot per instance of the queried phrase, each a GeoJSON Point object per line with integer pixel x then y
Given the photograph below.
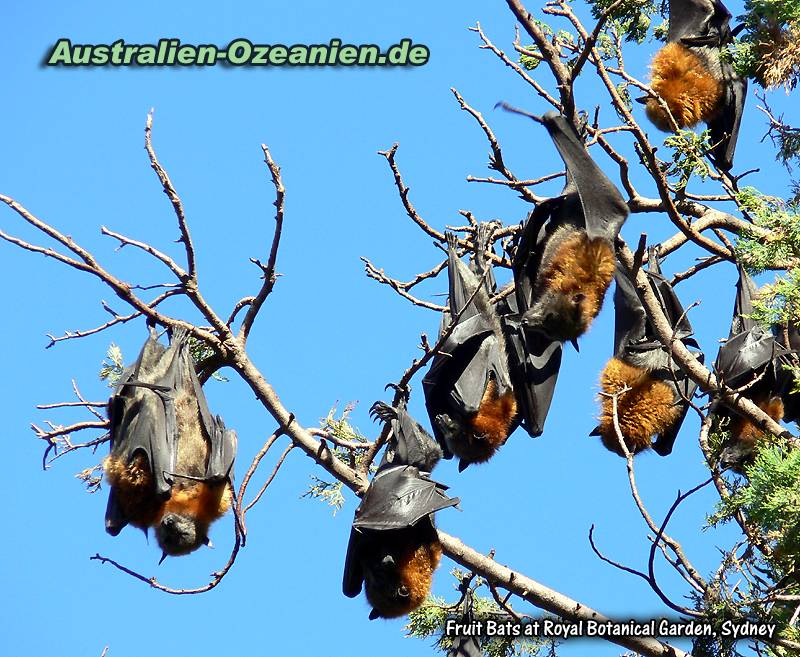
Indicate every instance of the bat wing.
{"type": "Point", "coordinates": [470, 356]}
{"type": "Point", "coordinates": [465, 646]}
{"type": "Point", "coordinates": [630, 320]}
{"type": "Point", "coordinates": [223, 442]}
{"type": "Point", "coordinates": [399, 497]}
{"type": "Point", "coordinates": [724, 127]}
{"type": "Point", "coordinates": [353, 577]}
{"type": "Point", "coordinates": [749, 347]}
{"type": "Point", "coordinates": [534, 361]}
{"type": "Point", "coordinates": [462, 282]}
{"type": "Point", "coordinates": [699, 22]}
{"type": "Point", "coordinates": [143, 418]}
{"type": "Point", "coordinates": [409, 443]}
{"type": "Point", "coordinates": [604, 209]}
{"type": "Point", "coordinates": [636, 341]}
{"type": "Point", "coordinates": [533, 358]}
{"type": "Point", "coordinates": [479, 265]}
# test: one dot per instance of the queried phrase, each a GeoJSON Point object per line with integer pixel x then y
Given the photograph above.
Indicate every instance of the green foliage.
{"type": "Point", "coordinates": [330, 492]}
{"type": "Point", "coordinates": [632, 18]}
{"type": "Point", "coordinates": [780, 301]}
{"type": "Point", "coordinates": [688, 156]}
{"type": "Point", "coordinates": [112, 366]}
{"type": "Point", "coordinates": [768, 51]}
{"type": "Point", "coordinates": [430, 618]}
{"type": "Point", "coordinates": [770, 12]}
{"type": "Point", "coordinates": [201, 351]}
{"type": "Point", "coordinates": [327, 491]}
{"type": "Point", "coordinates": [771, 500]}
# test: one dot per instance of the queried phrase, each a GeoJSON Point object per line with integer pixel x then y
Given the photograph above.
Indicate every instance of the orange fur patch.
{"type": "Point", "coordinates": [133, 486]}
{"type": "Point", "coordinates": [494, 418]}
{"type": "Point", "coordinates": [747, 432]}
{"type": "Point", "coordinates": [202, 501]}
{"type": "Point", "coordinates": [582, 266]}
{"type": "Point", "coordinates": [644, 411]}
{"type": "Point", "coordinates": [682, 80]}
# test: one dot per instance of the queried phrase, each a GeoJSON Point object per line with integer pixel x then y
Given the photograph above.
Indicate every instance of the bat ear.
{"type": "Point", "coordinates": [574, 342]}
{"type": "Point", "coordinates": [596, 431]}
{"type": "Point", "coordinates": [374, 614]}
{"type": "Point", "coordinates": [208, 542]}
{"type": "Point", "coordinates": [462, 465]}
{"type": "Point", "coordinates": [642, 99]}
{"type": "Point", "coordinates": [164, 555]}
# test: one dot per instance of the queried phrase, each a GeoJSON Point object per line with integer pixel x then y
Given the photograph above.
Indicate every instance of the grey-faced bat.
{"type": "Point", "coordinates": [171, 461]}
{"type": "Point", "coordinates": [753, 360]}
{"type": "Point", "coordinates": [468, 389]}
{"type": "Point", "coordinates": [695, 80]}
{"type": "Point", "coordinates": [563, 264]}
{"type": "Point", "coordinates": [658, 390]}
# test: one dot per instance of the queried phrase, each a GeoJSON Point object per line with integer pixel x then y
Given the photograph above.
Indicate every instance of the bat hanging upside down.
{"type": "Point", "coordinates": [695, 80]}
{"type": "Point", "coordinates": [394, 548]}
{"type": "Point", "coordinates": [752, 360]}
{"type": "Point", "coordinates": [658, 391]}
{"type": "Point", "coordinates": [468, 389]}
{"type": "Point", "coordinates": [171, 461]}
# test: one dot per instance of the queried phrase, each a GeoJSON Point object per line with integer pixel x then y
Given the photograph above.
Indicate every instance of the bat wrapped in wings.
{"type": "Point", "coordinates": [695, 80]}
{"type": "Point", "coordinates": [563, 264]}
{"type": "Point", "coordinates": [393, 549]}
{"type": "Point", "coordinates": [751, 359]}
{"type": "Point", "coordinates": [468, 389]}
{"type": "Point", "coordinates": [658, 391]}
{"type": "Point", "coordinates": [171, 461]}
{"type": "Point", "coordinates": [466, 644]}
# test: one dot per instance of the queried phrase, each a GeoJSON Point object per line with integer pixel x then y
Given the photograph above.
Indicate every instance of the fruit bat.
{"type": "Point", "coordinates": [171, 461]}
{"type": "Point", "coordinates": [393, 548]}
{"type": "Point", "coordinates": [408, 442]}
{"type": "Point", "coordinates": [694, 80]}
{"type": "Point", "coordinates": [466, 645]}
{"type": "Point", "coordinates": [659, 394]}
{"type": "Point", "coordinates": [468, 389]}
{"type": "Point", "coordinates": [751, 358]}
{"type": "Point", "coordinates": [563, 264]}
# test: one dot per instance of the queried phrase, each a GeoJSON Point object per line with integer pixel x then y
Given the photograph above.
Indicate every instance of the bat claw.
{"type": "Point", "coordinates": [383, 411]}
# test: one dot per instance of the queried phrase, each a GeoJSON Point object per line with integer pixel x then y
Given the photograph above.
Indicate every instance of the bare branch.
{"type": "Point", "coordinates": [269, 269]}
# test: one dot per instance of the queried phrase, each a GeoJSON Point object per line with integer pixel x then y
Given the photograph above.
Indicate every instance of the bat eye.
{"type": "Point", "coordinates": [403, 591]}
{"type": "Point", "coordinates": [577, 298]}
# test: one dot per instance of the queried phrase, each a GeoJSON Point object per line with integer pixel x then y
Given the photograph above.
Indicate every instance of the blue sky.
{"type": "Point", "coordinates": [72, 153]}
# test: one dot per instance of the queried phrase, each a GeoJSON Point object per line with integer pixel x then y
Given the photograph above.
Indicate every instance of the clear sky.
{"type": "Point", "coordinates": [72, 153]}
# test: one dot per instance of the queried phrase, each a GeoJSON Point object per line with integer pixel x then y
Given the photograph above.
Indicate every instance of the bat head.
{"type": "Point", "coordinates": [384, 585]}
{"type": "Point", "coordinates": [180, 534]}
{"type": "Point", "coordinates": [398, 569]}
{"type": "Point", "coordinates": [469, 445]}
{"type": "Point", "coordinates": [561, 315]}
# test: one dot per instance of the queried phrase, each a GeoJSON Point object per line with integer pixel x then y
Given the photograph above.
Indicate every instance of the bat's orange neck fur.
{"type": "Point", "coordinates": [493, 421]}
{"type": "Point", "coordinates": [691, 92]}
{"type": "Point", "coordinates": [582, 266]}
{"type": "Point", "coordinates": [743, 429]}
{"type": "Point", "coordinates": [647, 409]}
{"type": "Point", "coordinates": [133, 485]}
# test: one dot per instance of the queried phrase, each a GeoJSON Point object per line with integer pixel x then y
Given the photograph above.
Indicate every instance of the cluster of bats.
{"type": "Point", "coordinates": [171, 461]}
